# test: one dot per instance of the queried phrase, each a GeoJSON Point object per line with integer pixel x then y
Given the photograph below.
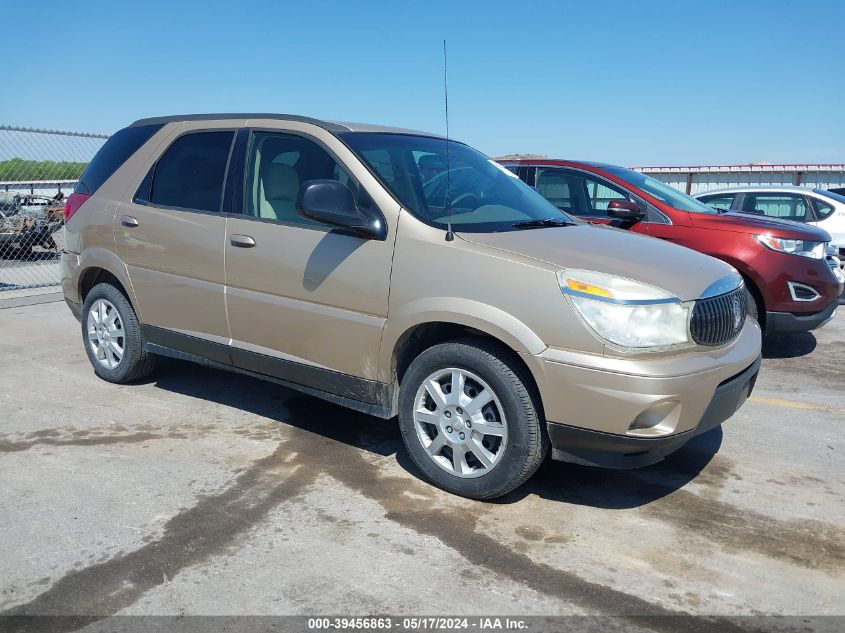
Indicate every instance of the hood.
{"type": "Point", "coordinates": [752, 223]}
{"type": "Point", "coordinates": [681, 271]}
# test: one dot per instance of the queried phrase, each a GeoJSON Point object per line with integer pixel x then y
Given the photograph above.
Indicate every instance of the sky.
{"type": "Point", "coordinates": [633, 83]}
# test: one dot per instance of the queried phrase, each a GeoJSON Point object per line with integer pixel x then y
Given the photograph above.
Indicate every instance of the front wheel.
{"type": "Point", "coordinates": [753, 308]}
{"type": "Point", "coordinates": [469, 419]}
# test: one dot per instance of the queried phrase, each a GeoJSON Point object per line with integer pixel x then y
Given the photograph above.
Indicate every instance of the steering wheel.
{"type": "Point", "coordinates": [463, 196]}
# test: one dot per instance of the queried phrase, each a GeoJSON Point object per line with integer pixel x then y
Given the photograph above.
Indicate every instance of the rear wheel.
{"type": "Point", "coordinates": [112, 336]}
{"type": "Point", "coordinates": [469, 419]}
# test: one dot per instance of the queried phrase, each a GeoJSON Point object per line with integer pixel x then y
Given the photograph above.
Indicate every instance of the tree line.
{"type": "Point", "coordinates": [22, 169]}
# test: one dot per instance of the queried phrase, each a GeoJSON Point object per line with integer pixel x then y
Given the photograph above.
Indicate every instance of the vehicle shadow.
{"type": "Point", "coordinates": [555, 481]}
{"type": "Point", "coordinates": [278, 403]}
{"type": "Point", "coordinates": [620, 489]}
{"type": "Point", "coordinates": [789, 345]}
{"type": "Point", "coordinates": [331, 251]}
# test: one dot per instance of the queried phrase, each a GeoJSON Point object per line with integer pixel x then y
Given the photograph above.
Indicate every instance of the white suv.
{"type": "Point", "coordinates": [818, 207]}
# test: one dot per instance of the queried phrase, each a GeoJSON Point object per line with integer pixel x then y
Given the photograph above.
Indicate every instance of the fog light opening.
{"type": "Point", "coordinates": [802, 292]}
{"type": "Point", "coordinates": [658, 419]}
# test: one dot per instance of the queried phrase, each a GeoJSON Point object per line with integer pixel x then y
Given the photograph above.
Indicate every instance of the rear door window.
{"type": "Point", "coordinates": [722, 202]}
{"type": "Point", "coordinates": [191, 173]}
{"type": "Point", "coordinates": [786, 206]}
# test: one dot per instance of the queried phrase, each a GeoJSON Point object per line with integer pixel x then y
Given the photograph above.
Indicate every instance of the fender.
{"type": "Point", "coordinates": [483, 317]}
{"type": "Point", "coordinates": [744, 269]}
{"type": "Point", "coordinates": [96, 257]}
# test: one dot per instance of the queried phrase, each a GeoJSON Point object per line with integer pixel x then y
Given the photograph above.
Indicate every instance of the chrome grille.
{"type": "Point", "coordinates": [718, 320]}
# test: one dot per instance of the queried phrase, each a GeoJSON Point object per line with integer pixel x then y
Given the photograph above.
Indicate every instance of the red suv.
{"type": "Point", "coordinates": [783, 263]}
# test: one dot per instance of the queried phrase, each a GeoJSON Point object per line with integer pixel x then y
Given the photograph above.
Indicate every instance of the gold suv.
{"type": "Point", "coordinates": [399, 273]}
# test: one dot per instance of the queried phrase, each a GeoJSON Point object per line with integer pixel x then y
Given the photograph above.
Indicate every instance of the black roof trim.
{"type": "Point", "coordinates": [176, 118]}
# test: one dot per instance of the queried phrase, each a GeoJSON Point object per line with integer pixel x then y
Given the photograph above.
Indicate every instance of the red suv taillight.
{"type": "Point", "coordinates": [73, 202]}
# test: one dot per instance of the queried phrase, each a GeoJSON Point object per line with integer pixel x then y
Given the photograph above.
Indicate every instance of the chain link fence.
{"type": "Point", "coordinates": [38, 170]}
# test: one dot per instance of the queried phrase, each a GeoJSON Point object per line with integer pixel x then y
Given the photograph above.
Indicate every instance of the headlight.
{"type": "Point", "coordinates": [805, 248]}
{"type": "Point", "coordinates": [627, 313]}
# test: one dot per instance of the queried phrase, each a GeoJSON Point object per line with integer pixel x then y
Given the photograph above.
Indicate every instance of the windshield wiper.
{"type": "Point", "coordinates": [539, 224]}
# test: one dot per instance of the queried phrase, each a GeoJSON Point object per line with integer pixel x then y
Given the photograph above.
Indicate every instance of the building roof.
{"type": "Point", "coordinates": [760, 188]}
{"type": "Point", "coordinates": [748, 168]}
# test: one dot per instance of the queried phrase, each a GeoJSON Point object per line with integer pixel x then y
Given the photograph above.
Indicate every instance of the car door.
{"type": "Point", "coordinates": [577, 194]}
{"type": "Point", "coordinates": [306, 302]}
{"type": "Point", "coordinates": [601, 191]}
{"type": "Point", "coordinates": [588, 195]}
{"type": "Point", "coordinates": [171, 238]}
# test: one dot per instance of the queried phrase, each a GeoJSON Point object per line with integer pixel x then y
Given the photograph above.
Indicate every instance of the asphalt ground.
{"type": "Point", "coordinates": [204, 492]}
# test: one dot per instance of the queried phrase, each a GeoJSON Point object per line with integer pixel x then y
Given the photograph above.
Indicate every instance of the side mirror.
{"type": "Point", "coordinates": [627, 210]}
{"type": "Point", "coordinates": [331, 202]}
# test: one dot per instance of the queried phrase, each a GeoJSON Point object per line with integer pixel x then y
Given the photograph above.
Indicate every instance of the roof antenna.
{"type": "Point", "coordinates": [449, 235]}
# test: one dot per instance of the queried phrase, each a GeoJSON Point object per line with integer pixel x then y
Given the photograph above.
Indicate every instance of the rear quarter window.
{"type": "Point", "coordinates": [114, 152]}
{"type": "Point", "coordinates": [823, 209]}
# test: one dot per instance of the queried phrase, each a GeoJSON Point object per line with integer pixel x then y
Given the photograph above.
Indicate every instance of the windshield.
{"type": "Point", "coordinates": [463, 185]}
{"type": "Point", "coordinates": [661, 191]}
{"type": "Point", "coordinates": [831, 194]}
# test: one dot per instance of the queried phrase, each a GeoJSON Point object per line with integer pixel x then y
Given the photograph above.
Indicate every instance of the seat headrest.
{"type": "Point", "coordinates": [280, 182]}
{"type": "Point", "coordinates": [554, 185]}
{"type": "Point", "coordinates": [431, 161]}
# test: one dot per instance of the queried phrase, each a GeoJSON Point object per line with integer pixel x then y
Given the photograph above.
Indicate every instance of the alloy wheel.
{"type": "Point", "coordinates": [105, 333]}
{"type": "Point", "coordinates": [460, 422]}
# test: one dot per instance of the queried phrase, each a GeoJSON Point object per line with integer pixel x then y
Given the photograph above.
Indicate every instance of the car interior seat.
{"type": "Point", "coordinates": [555, 189]}
{"type": "Point", "coordinates": [279, 187]}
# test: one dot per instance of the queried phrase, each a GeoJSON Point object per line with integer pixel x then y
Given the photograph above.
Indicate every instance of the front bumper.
{"type": "Point", "coordinates": [601, 407]}
{"type": "Point", "coordinates": [784, 322]}
{"type": "Point", "coordinates": [777, 270]}
{"type": "Point", "coordinates": [594, 448]}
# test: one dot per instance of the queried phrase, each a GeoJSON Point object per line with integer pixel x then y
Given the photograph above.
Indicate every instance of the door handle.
{"type": "Point", "coordinates": [128, 221]}
{"type": "Point", "coordinates": [242, 241]}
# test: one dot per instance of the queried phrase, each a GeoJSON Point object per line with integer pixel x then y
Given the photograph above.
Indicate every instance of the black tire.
{"type": "Point", "coordinates": [136, 363]}
{"type": "Point", "coordinates": [527, 440]}
{"type": "Point", "coordinates": [753, 308]}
